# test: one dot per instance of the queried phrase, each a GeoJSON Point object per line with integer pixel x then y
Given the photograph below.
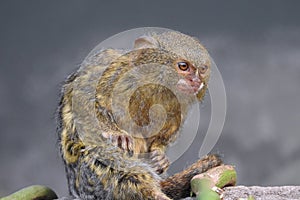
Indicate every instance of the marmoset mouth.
{"type": "Point", "coordinates": [189, 87]}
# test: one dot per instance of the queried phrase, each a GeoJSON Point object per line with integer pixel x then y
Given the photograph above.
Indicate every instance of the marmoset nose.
{"type": "Point", "coordinates": [193, 79]}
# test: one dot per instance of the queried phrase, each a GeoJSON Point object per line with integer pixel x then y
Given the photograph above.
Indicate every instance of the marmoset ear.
{"type": "Point", "coordinates": [145, 42]}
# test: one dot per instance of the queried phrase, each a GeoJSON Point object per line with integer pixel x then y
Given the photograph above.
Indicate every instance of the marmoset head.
{"type": "Point", "coordinates": [192, 61]}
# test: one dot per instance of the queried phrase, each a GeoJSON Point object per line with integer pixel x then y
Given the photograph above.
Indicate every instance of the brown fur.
{"type": "Point", "coordinates": [96, 167]}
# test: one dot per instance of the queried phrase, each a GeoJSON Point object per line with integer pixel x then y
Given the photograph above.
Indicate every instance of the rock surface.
{"type": "Point", "coordinates": [263, 193]}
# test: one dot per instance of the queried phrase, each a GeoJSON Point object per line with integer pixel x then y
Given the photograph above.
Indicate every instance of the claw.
{"type": "Point", "coordinates": [130, 144]}
{"type": "Point", "coordinates": [165, 164]}
{"type": "Point", "coordinates": [124, 142]}
{"type": "Point", "coordinates": [159, 161]}
{"type": "Point", "coordinates": [154, 154]}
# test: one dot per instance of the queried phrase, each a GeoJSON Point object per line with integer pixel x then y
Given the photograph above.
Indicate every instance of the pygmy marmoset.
{"type": "Point", "coordinates": [122, 108]}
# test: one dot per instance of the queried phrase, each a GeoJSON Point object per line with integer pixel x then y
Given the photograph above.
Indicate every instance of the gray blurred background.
{"type": "Point", "coordinates": [255, 44]}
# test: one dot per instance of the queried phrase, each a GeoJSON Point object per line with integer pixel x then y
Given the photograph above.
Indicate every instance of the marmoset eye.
{"type": "Point", "coordinates": [183, 66]}
{"type": "Point", "coordinates": [203, 69]}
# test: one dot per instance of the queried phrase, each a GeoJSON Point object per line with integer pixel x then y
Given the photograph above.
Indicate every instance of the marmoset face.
{"type": "Point", "coordinates": [194, 78]}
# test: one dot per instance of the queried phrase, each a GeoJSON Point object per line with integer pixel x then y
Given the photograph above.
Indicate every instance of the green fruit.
{"type": "Point", "coordinates": [208, 195]}
{"type": "Point", "coordinates": [31, 193]}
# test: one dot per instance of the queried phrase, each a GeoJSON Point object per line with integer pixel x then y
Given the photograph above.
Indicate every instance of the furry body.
{"type": "Point", "coordinates": [108, 135]}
